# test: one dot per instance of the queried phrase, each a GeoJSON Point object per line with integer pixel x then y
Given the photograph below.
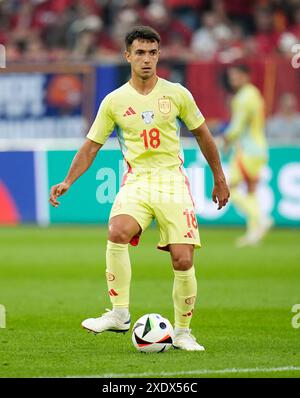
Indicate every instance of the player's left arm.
{"type": "Point", "coordinates": [209, 149]}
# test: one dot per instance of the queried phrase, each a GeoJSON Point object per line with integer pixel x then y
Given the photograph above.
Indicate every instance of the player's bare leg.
{"type": "Point", "coordinates": [122, 229]}
{"type": "Point", "coordinates": [184, 296]}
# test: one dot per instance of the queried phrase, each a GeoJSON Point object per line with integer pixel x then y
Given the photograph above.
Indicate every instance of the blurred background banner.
{"type": "Point", "coordinates": [45, 102]}
{"type": "Point", "coordinates": [26, 178]}
{"type": "Point", "coordinates": [17, 188]}
{"type": "Point", "coordinates": [91, 198]}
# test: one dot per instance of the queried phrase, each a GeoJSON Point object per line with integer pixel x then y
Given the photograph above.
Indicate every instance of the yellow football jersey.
{"type": "Point", "coordinates": [148, 126]}
{"type": "Point", "coordinates": [247, 125]}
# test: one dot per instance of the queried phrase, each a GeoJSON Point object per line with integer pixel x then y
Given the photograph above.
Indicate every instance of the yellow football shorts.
{"type": "Point", "coordinates": [165, 197]}
{"type": "Point", "coordinates": [247, 168]}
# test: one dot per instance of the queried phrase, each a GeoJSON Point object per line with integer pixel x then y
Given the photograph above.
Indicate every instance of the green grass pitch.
{"type": "Point", "coordinates": [53, 278]}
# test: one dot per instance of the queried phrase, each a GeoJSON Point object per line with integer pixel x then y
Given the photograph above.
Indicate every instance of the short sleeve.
{"type": "Point", "coordinates": [189, 111]}
{"type": "Point", "coordinates": [103, 124]}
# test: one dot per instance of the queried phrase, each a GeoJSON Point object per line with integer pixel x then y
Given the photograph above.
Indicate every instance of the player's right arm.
{"type": "Point", "coordinates": [99, 132]}
{"type": "Point", "coordinates": [81, 162]}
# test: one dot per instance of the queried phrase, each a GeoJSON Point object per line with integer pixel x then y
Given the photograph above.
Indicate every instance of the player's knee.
{"type": "Point", "coordinates": [182, 263]}
{"type": "Point", "coordinates": [118, 235]}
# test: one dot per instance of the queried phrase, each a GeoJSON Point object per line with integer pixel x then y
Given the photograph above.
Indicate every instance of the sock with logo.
{"type": "Point", "coordinates": [118, 275]}
{"type": "Point", "coordinates": [184, 296]}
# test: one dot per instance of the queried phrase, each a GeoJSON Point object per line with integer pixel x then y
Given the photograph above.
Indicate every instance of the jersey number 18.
{"type": "Point", "coordinates": [151, 138]}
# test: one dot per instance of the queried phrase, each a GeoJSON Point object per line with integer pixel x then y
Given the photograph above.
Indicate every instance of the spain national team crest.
{"type": "Point", "coordinates": [164, 105]}
{"type": "Point", "coordinates": [148, 116]}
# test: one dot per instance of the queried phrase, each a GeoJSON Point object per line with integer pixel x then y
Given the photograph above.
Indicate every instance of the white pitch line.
{"type": "Point", "coordinates": [192, 372]}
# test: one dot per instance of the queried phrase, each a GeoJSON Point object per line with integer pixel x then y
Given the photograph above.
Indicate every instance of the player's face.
{"type": "Point", "coordinates": [236, 78]}
{"type": "Point", "coordinates": [143, 57]}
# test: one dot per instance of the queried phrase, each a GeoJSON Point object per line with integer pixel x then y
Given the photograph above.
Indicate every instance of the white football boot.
{"type": "Point", "coordinates": [252, 238]}
{"type": "Point", "coordinates": [184, 340]}
{"type": "Point", "coordinates": [249, 239]}
{"type": "Point", "coordinates": [109, 321]}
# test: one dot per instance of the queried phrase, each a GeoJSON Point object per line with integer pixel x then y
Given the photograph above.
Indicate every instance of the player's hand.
{"type": "Point", "coordinates": [56, 191]}
{"type": "Point", "coordinates": [221, 193]}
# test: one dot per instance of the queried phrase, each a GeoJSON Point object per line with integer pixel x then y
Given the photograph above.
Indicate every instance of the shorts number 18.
{"type": "Point", "coordinates": [190, 218]}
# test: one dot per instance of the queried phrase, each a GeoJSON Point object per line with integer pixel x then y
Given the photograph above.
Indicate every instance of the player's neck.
{"type": "Point", "coordinates": [143, 87]}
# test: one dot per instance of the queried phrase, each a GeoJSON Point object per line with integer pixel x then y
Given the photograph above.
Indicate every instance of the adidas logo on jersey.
{"type": "Point", "coordinates": [129, 112]}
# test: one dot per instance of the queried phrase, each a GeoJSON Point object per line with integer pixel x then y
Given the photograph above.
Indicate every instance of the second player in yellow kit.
{"type": "Point", "coordinates": [155, 184]}
{"type": "Point", "coordinates": [246, 135]}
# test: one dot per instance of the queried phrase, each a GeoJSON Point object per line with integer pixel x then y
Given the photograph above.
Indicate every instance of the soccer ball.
{"type": "Point", "coordinates": [152, 333]}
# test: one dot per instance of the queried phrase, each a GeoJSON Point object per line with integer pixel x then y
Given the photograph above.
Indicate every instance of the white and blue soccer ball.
{"type": "Point", "coordinates": [152, 333]}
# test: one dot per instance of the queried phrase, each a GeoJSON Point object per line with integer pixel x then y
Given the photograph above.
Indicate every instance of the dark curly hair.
{"type": "Point", "coordinates": [142, 33]}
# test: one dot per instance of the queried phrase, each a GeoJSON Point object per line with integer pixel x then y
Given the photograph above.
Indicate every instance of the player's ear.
{"type": "Point", "coordinates": [127, 55]}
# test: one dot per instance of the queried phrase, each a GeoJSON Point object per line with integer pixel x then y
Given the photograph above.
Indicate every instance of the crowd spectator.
{"type": "Point", "coordinates": [266, 37]}
{"type": "Point", "coordinates": [186, 10]}
{"type": "Point", "coordinates": [295, 27]}
{"type": "Point", "coordinates": [175, 35]}
{"type": "Point", "coordinates": [205, 41]}
{"type": "Point", "coordinates": [284, 126]}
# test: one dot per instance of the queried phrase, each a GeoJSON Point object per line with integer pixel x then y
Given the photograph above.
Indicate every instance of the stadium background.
{"type": "Point", "coordinates": [62, 58]}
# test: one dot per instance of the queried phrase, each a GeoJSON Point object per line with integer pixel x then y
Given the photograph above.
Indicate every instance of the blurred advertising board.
{"type": "Point", "coordinates": [90, 199]}
{"type": "Point", "coordinates": [26, 178]}
{"type": "Point", "coordinates": [45, 101]}
{"type": "Point", "coordinates": [17, 188]}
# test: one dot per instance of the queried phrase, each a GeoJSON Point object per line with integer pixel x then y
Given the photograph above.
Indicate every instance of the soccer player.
{"type": "Point", "coordinates": [246, 136]}
{"type": "Point", "coordinates": [146, 112]}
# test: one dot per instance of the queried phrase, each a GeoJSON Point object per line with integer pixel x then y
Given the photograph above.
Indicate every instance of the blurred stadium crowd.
{"type": "Point", "coordinates": [218, 31]}
{"type": "Point", "coordinates": [93, 30]}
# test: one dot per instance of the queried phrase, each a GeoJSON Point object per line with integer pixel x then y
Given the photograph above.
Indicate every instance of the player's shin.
{"type": "Point", "coordinates": [184, 296]}
{"type": "Point", "coordinates": [118, 276]}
